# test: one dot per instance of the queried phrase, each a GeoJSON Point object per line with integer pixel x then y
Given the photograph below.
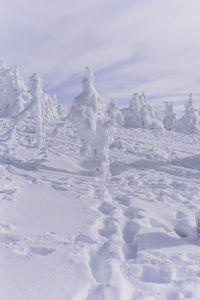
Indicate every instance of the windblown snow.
{"type": "Point", "coordinates": [96, 204]}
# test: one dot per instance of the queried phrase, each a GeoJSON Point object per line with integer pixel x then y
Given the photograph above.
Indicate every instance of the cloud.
{"type": "Point", "coordinates": [132, 45]}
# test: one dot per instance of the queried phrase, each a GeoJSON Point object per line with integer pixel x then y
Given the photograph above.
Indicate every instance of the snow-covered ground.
{"type": "Point", "coordinates": [131, 236]}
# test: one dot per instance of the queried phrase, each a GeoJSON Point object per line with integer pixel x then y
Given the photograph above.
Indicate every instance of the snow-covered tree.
{"type": "Point", "coordinates": [85, 110]}
{"type": "Point", "coordinates": [115, 113]}
{"type": "Point", "coordinates": [133, 115]}
{"type": "Point", "coordinates": [94, 129]}
{"type": "Point", "coordinates": [15, 102]}
{"type": "Point", "coordinates": [141, 114]}
{"type": "Point", "coordinates": [169, 120]}
{"type": "Point", "coordinates": [190, 121]}
{"type": "Point", "coordinates": [33, 131]}
{"type": "Point", "coordinates": [13, 93]}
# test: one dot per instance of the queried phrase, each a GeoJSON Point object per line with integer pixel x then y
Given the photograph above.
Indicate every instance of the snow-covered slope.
{"type": "Point", "coordinates": [131, 236]}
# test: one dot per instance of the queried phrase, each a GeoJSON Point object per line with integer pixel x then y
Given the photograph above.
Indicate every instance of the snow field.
{"type": "Point", "coordinates": [91, 209]}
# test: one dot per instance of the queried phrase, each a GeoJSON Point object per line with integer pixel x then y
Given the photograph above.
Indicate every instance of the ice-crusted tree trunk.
{"type": "Point", "coordinates": [88, 115]}
{"type": "Point", "coordinates": [169, 120]}
{"type": "Point", "coordinates": [100, 146]}
{"type": "Point", "coordinates": [197, 217]}
{"type": "Point", "coordinates": [190, 121]}
{"type": "Point", "coordinates": [36, 92]}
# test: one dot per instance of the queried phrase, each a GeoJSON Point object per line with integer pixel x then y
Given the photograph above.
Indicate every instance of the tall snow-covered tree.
{"type": "Point", "coordinates": [85, 110]}
{"type": "Point", "coordinates": [15, 102]}
{"type": "Point", "coordinates": [33, 131]}
{"type": "Point", "coordinates": [169, 120]}
{"type": "Point", "coordinates": [190, 121]}
{"type": "Point", "coordinates": [88, 115]}
{"type": "Point", "coordinates": [13, 93]}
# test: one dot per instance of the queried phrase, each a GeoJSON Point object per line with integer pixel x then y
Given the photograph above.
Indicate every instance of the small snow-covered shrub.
{"type": "Point", "coordinates": [133, 113]}
{"type": "Point", "coordinates": [190, 121]}
{"type": "Point", "coordinates": [114, 113]}
{"type": "Point", "coordinates": [169, 120]}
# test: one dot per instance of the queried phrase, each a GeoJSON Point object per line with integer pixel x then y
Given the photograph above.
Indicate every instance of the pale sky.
{"type": "Point", "coordinates": [133, 46]}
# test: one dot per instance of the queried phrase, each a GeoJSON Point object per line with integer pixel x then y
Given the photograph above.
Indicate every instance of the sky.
{"type": "Point", "coordinates": [132, 45]}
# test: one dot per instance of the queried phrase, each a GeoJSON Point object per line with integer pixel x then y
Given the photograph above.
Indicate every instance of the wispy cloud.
{"type": "Point", "coordinates": [132, 45]}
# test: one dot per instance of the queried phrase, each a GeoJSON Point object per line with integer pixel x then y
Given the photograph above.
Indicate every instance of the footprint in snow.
{"type": "Point", "coordinates": [6, 227]}
{"type": "Point", "coordinates": [133, 212]}
{"type": "Point", "coordinates": [43, 251]}
{"type": "Point", "coordinates": [124, 200]}
{"type": "Point", "coordinates": [84, 239]}
{"type": "Point", "coordinates": [180, 215]}
{"type": "Point", "coordinates": [157, 224]}
{"type": "Point", "coordinates": [109, 229]}
{"type": "Point", "coordinates": [158, 274]}
{"type": "Point", "coordinates": [29, 178]}
{"type": "Point", "coordinates": [58, 188]}
{"type": "Point", "coordinates": [130, 248]}
{"type": "Point", "coordinates": [183, 228]}
{"type": "Point", "coordinates": [8, 191]}
{"type": "Point", "coordinates": [100, 262]}
{"type": "Point", "coordinates": [6, 198]}
{"type": "Point", "coordinates": [129, 232]}
{"type": "Point", "coordinates": [8, 238]}
{"type": "Point", "coordinates": [106, 208]}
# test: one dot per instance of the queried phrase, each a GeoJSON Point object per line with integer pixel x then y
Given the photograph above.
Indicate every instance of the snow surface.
{"type": "Point", "coordinates": [130, 236]}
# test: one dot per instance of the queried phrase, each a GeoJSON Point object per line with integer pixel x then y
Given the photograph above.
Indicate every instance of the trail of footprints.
{"type": "Point", "coordinates": [117, 243]}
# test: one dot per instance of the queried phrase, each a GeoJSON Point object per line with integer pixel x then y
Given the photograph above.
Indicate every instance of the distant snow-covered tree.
{"type": "Point", "coordinates": [169, 120]}
{"type": "Point", "coordinates": [190, 121]}
{"type": "Point", "coordinates": [133, 114]}
{"type": "Point", "coordinates": [115, 113]}
{"type": "Point", "coordinates": [141, 114]}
